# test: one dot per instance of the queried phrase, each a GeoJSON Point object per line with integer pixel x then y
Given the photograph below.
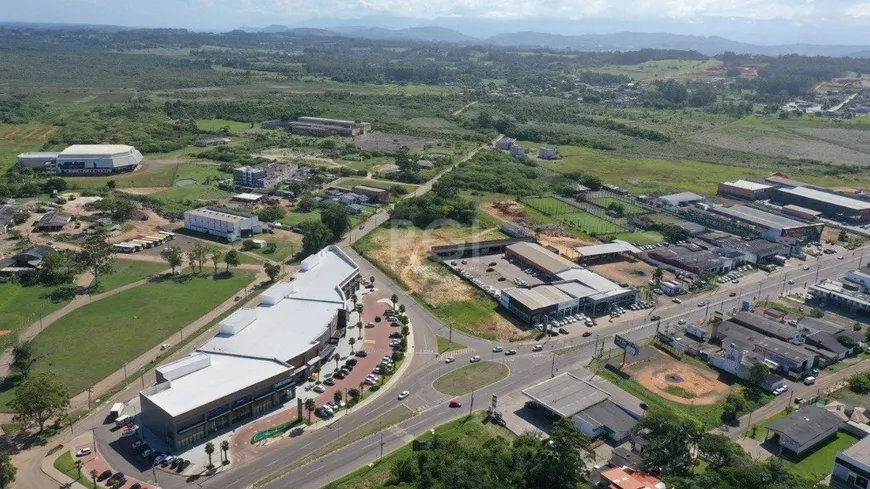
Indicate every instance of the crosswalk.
{"type": "Point", "coordinates": [452, 353]}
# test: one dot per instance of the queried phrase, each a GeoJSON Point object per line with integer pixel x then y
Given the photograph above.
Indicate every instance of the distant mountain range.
{"type": "Point", "coordinates": [620, 41]}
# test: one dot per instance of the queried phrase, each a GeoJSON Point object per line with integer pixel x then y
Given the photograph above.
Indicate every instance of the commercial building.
{"type": "Point", "coordinates": [378, 194]}
{"type": "Point", "coordinates": [322, 127]}
{"type": "Point", "coordinates": [801, 212]}
{"type": "Point", "coordinates": [743, 189]}
{"type": "Point", "coordinates": [52, 221]}
{"type": "Point", "coordinates": [689, 258]}
{"type": "Point", "coordinates": [859, 277]}
{"type": "Point", "coordinates": [783, 182]}
{"type": "Point", "coordinates": [852, 466]}
{"type": "Point", "coordinates": [682, 199]}
{"type": "Point", "coordinates": [472, 249]}
{"type": "Point", "coordinates": [805, 429]}
{"type": "Point", "coordinates": [842, 295]}
{"type": "Point", "coordinates": [738, 362]}
{"type": "Point", "coordinates": [755, 251]}
{"type": "Point", "coordinates": [829, 204]}
{"type": "Point", "coordinates": [606, 251]}
{"type": "Point", "coordinates": [266, 175]}
{"type": "Point", "coordinates": [248, 198]}
{"type": "Point", "coordinates": [772, 226]}
{"type": "Point", "coordinates": [257, 357]}
{"type": "Point", "coordinates": [222, 223]}
{"type": "Point", "coordinates": [597, 407]}
{"type": "Point", "coordinates": [571, 288]}
{"type": "Point", "coordinates": [84, 159]}
{"type": "Point", "coordinates": [789, 359]}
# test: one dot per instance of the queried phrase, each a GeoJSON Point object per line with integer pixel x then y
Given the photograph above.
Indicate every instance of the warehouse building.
{"type": "Point", "coordinates": [801, 212]}
{"type": "Point", "coordinates": [378, 194]}
{"type": "Point", "coordinates": [689, 258]}
{"type": "Point", "coordinates": [258, 356]}
{"type": "Point", "coordinates": [682, 199]}
{"type": "Point", "coordinates": [267, 175]}
{"type": "Point", "coordinates": [84, 159]}
{"type": "Point", "coordinates": [597, 407]}
{"type": "Point", "coordinates": [772, 226]}
{"type": "Point", "coordinates": [322, 127]}
{"type": "Point", "coordinates": [787, 358]}
{"type": "Point", "coordinates": [852, 466]}
{"type": "Point", "coordinates": [607, 251]}
{"type": "Point", "coordinates": [830, 205]}
{"type": "Point", "coordinates": [754, 251]}
{"type": "Point", "coordinates": [222, 223]}
{"type": "Point", "coordinates": [842, 295]}
{"type": "Point", "coordinates": [544, 261]}
{"type": "Point", "coordinates": [783, 182]}
{"type": "Point", "coordinates": [743, 189]}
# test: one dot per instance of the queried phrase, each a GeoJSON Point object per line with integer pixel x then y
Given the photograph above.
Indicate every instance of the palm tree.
{"type": "Point", "coordinates": [351, 341]}
{"type": "Point", "coordinates": [658, 274]}
{"type": "Point", "coordinates": [310, 406]}
{"type": "Point", "coordinates": [79, 464]}
{"type": "Point", "coordinates": [336, 357]}
{"type": "Point", "coordinates": [94, 475]}
{"type": "Point", "coordinates": [225, 448]}
{"type": "Point", "coordinates": [402, 308]}
{"type": "Point", "coordinates": [359, 326]}
{"type": "Point", "coordinates": [338, 396]}
{"type": "Point", "coordinates": [354, 299]}
{"type": "Point", "coordinates": [372, 280]}
{"type": "Point", "coordinates": [209, 449]}
{"type": "Point", "coordinates": [394, 299]}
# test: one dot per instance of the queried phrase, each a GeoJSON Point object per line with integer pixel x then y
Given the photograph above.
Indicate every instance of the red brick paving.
{"type": "Point", "coordinates": [95, 462]}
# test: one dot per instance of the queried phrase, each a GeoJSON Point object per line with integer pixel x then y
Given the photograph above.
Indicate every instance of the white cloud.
{"type": "Point", "coordinates": [860, 10]}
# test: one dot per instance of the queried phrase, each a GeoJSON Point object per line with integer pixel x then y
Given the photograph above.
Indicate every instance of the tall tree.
{"type": "Point", "coordinates": [232, 258]}
{"type": "Point", "coordinates": [94, 474]}
{"type": "Point", "coordinates": [209, 449]}
{"type": "Point", "coordinates": [561, 460]}
{"type": "Point", "coordinates": [719, 451]}
{"type": "Point", "coordinates": [24, 356]}
{"type": "Point", "coordinates": [79, 464]}
{"type": "Point", "coordinates": [225, 450]}
{"type": "Point", "coordinates": [315, 236]}
{"type": "Point", "coordinates": [658, 274]}
{"type": "Point", "coordinates": [336, 357]}
{"type": "Point", "coordinates": [359, 327]}
{"type": "Point", "coordinates": [216, 257]}
{"type": "Point", "coordinates": [337, 219]}
{"type": "Point", "coordinates": [7, 470]}
{"type": "Point", "coordinates": [351, 342]}
{"type": "Point", "coordinates": [39, 398]}
{"type": "Point", "coordinates": [758, 372]}
{"type": "Point", "coordinates": [310, 406]}
{"type": "Point", "coordinates": [272, 271]}
{"type": "Point", "coordinates": [670, 439]}
{"type": "Point", "coordinates": [198, 253]}
{"type": "Point", "coordinates": [97, 256]}
{"type": "Point", "coordinates": [173, 257]}
{"type": "Point", "coordinates": [394, 299]}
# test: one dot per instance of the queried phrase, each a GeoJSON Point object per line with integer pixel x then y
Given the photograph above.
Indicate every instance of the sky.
{"type": "Point", "coordinates": [824, 20]}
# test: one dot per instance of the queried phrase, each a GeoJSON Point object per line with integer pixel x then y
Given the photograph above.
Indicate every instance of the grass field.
{"type": "Point", "coordinates": [180, 198]}
{"type": "Point", "coordinates": [550, 205]}
{"type": "Point", "coordinates": [122, 327]}
{"type": "Point", "coordinates": [296, 218]}
{"type": "Point", "coordinates": [127, 272]}
{"type": "Point", "coordinates": [218, 124]}
{"type": "Point", "coordinates": [148, 175]}
{"type": "Point", "coordinates": [385, 184]}
{"type": "Point", "coordinates": [288, 244]}
{"type": "Point", "coordinates": [467, 316]}
{"type": "Point", "coordinates": [590, 224]}
{"type": "Point", "coordinates": [761, 428]}
{"type": "Point", "coordinates": [661, 69]}
{"type": "Point", "coordinates": [469, 431]}
{"type": "Point", "coordinates": [470, 377]}
{"type": "Point", "coordinates": [20, 138]}
{"type": "Point", "coordinates": [22, 306]}
{"type": "Point", "coordinates": [630, 209]}
{"type": "Point", "coordinates": [445, 345]}
{"type": "Point", "coordinates": [66, 464]}
{"type": "Point", "coordinates": [820, 462]}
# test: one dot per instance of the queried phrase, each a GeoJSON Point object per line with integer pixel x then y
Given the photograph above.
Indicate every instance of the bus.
{"type": "Point", "coordinates": [169, 235]}
{"type": "Point", "coordinates": [142, 243]}
{"type": "Point", "coordinates": [124, 248]}
{"type": "Point", "coordinates": [159, 239]}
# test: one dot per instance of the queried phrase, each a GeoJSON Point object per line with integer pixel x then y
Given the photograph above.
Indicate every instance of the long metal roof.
{"type": "Point", "coordinates": [812, 194]}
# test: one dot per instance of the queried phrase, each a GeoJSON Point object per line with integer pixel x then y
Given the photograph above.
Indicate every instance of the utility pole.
{"type": "Point", "coordinates": [471, 404]}
{"type": "Point", "coordinates": [382, 444]}
{"type": "Point", "coordinates": [450, 336]}
{"type": "Point", "coordinates": [125, 374]}
{"type": "Point", "coordinates": [553, 363]}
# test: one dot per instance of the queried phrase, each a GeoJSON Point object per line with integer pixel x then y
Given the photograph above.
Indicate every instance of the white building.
{"type": "Point", "coordinates": [222, 223]}
{"type": "Point", "coordinates": [85, 159]}
{"type": "Point", "coordinates": [852, 466]}
{"type": "Point", "coordinates": [256, 358]}
{"type": "Point", "coordinates": [860, 278]}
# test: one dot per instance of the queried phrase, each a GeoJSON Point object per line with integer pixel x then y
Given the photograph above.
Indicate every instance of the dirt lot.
{"type": "Point", "coordinates": [658, 372]}
{"type": "Point", "coordinates": [634, 273]}
{"type": "Point", "coordinates": [143, 190]}
{"type": "Point", "coordinates": [143, 228]}
{"type": "Point", "coordinates": [287, 154]}
{"type": "Point", "coordinates": [553, 235]}
{"type": "Point", "coordinates": [388, 143]}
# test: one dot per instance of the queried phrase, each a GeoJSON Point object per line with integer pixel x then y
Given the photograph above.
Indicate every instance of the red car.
{"type": "Point", "coordinates": [454, 403]}
{"type": "Point", "coordinates": [586, 334]}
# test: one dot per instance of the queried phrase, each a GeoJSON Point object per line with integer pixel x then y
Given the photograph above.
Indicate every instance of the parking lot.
{"type": "Point", "coordinates": [493, 271]}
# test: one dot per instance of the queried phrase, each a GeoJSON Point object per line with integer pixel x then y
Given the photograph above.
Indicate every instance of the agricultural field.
{"type": "Point", "coordinates": [15, 139]}
{"type": "Point", "coordinates": [127, 324]}
{"type": "Point", "coordinates": [665, 69]}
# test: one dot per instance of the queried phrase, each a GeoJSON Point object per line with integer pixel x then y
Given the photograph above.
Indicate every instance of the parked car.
{"type": "Point", "coordinates": [147, 453]}
{"type": "Point", "coordinates": [84, 451]}
{"type": "Point", "coordinates": [159, 459]}
{"type": "Point", "coordinates": [104, 475]}
{"type": "Point", "coordinates": [563, 330]}
{"type": "Point", "coordinates": [329, 381]}
{"type": "Point", "coordinates": [403, 395]}
{"type": "Point", "coordinates": [319, 389]}
{"type": "Point", "coordinates": [137, 444]}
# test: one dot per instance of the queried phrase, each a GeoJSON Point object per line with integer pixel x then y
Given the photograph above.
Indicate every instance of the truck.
{"type": "Point", "coordinates": [116, 410]}
{"type": "Point", "coordinates": [123, 420]}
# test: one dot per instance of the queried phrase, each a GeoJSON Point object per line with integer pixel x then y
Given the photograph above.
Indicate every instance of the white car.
{"type": "Point", "coordinates": [497, 349]}
{"type": "Point", "coordinates": [319, 389]}
{"type": "Point", "coordinates": [404, 394]}
{"type": "Point", "coordinates": [83, 452]}
{"type": "Point", "coordinates": [475, 359]}
{"type": "Point", "coordinates": [449, 360]}
{"type": "Point", "coordinates": [681, 321]}
{"type": "Point", "coordinates": [806, 267]}
{"type": "Point", "coordinates": [164, 346]}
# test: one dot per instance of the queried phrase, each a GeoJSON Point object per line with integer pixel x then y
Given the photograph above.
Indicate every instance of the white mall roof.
{"type": "Point", "coordinates": [224, 375]}
{"type": "Point", "coordinates": [96, 149]}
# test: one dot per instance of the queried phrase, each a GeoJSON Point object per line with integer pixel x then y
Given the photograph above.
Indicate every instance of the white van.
{"type": "Point", "coordinates": [810, 380]}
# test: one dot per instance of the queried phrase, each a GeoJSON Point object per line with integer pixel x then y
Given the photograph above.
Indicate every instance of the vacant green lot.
{"type": "Point", "coordinates": [22, 306]}
{"type": "Point", "coordinates": [590, 224]}
{"type": "Point", "coordinates": [630, 209]}
{"type": "Point", "coordinates": [467, 316]}
{"type": "Point", "coordinates": [445, 345]}
{"type": "Point", "coordinates": [127, 272]}
{"type": "Point", "coordinates": [288, 244]}
{"type": "Point", "coordinates": [470, 377]}
{"type": "Point", "coordinates": [180, 198]}
{"type": "Point", "coordinates": [469, 431]}
{"type": "Point", "coordinates": [661, 69]}
{"type": "Point", "coordinates": [66, 464]}
{"type": "Point", "coordinates": [218, 124]}
{"type": "Point", "coordinates": [93, 341]}
{"type": "Point", "coordinates": [550, 205]}
{"type": "Point", "coordinates": [148, 175]}
{"type": "Point", "coordinates": [20, 138]}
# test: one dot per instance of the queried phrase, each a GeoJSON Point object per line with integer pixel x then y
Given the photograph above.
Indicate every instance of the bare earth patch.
{"type": "Point", "coordinates": [634, 273]}
{"type": "Point", "coordinates": [658, 371]}
{"type": "Point", "coordinates": [143, 190]}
